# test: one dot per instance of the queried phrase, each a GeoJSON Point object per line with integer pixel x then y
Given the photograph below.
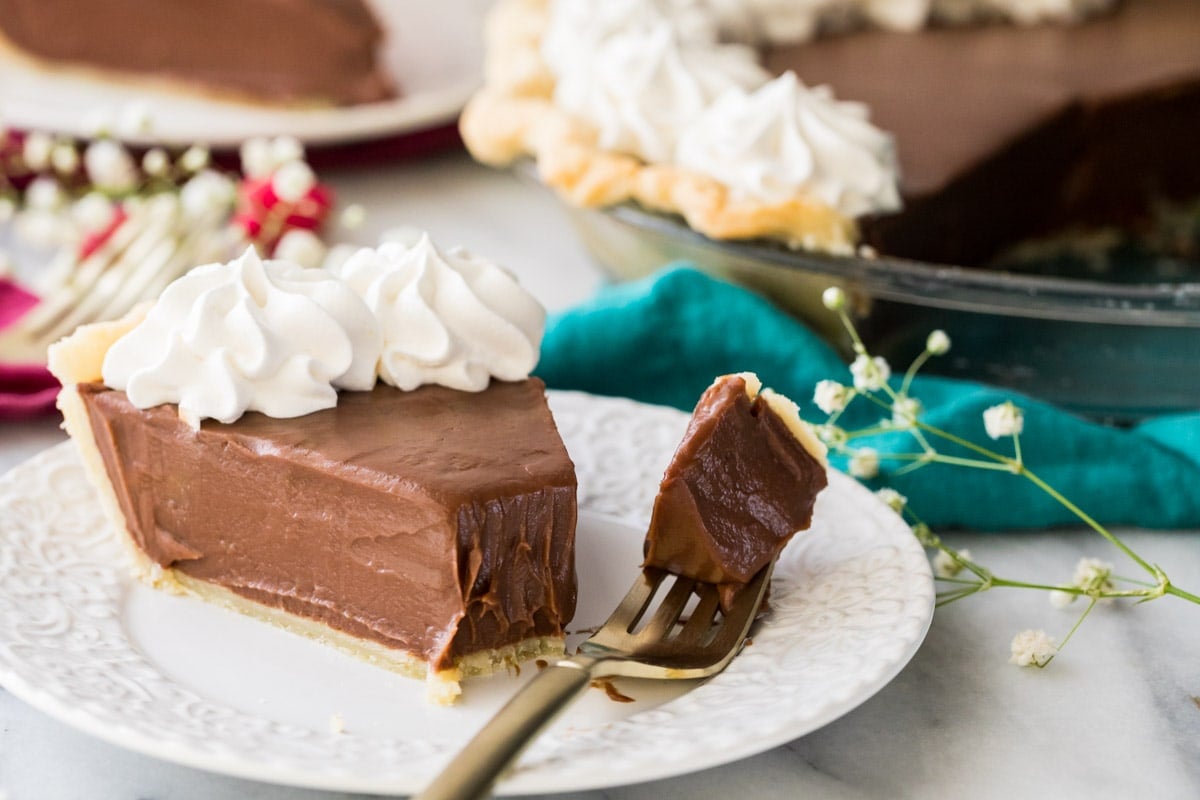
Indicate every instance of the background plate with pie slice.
{"type": "Point", "coordinates": [432, 50]}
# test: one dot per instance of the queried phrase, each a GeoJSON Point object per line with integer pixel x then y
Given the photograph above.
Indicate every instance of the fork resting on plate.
{"type": "Point", "coordinates": [637, 641]}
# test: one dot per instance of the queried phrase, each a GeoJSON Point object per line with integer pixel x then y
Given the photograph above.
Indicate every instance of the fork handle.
{"type": "Point", "coordinates": [473, 771]}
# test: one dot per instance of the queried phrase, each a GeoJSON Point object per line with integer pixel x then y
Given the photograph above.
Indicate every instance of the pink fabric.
{"type": "Point", "coordinates": [26, 390]}
{"type": "Point", "coordinates": [14, 302]}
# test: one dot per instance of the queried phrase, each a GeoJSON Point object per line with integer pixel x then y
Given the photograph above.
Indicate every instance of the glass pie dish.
{"type": "Point", "coordinates": [1119, 346]}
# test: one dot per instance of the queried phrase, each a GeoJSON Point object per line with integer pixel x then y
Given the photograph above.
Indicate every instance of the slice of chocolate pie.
{"type": "Point", "coordinates": [742, 483]}
{"type": "Point", "coordinates": [430, 531]}
{"type": "Point", "coordinates": [306, 52]}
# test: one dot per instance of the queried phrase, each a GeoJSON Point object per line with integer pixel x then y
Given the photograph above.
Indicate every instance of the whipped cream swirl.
{"type": "Point", "coordinates": [644, 85]}
{"type": "Point", "coordinates": [786, 139]}
{"type": "Point", "coordinates": [245, 336]}
{"type": "Point", "coordinates": [578, 28]}
{"type": "Point", "coordinates": [447, 318]}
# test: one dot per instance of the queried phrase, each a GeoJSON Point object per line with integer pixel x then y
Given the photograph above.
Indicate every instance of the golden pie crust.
{"type": "Point", "coordinates": [514, 116]}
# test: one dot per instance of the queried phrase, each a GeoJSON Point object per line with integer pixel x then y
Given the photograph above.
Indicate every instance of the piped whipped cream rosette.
{"type": "Point", "coordinates": [643, 87]}
{"type": "Point", "coordinates": [578, 29]}
{"type": "Point", "coordinates": [785, 139]}
{"type": "Point", "coordinates": [249, 335]}
{"type": "Point", "coordinates": [447, 318]}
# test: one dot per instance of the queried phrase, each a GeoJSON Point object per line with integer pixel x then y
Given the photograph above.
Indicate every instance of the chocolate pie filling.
{"type": "Point", "coordinates": [319, 51]}
{"type": "Point", "coordinates": [1006, 132]}
{"type": "Point", "coordinates": [737, 489]}
{"type": "Point", "coordinates": [437, 522]}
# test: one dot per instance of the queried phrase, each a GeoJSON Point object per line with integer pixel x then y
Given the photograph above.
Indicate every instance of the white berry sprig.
{"type": "Point", "coordinates": [1094, 580]}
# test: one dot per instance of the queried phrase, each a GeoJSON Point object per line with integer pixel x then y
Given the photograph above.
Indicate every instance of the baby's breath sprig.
{"type": "Point", "coordinates": [1094, 580]}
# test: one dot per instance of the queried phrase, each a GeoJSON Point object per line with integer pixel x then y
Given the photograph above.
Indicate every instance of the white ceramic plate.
{"type": "Point", "coordinates": [432, 49]}
{"type": "Point", "coordinates": [191, 683]}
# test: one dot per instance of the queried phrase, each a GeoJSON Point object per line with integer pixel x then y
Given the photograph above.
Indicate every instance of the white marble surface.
{"type": "Point", "coordinates": [1116, 716]}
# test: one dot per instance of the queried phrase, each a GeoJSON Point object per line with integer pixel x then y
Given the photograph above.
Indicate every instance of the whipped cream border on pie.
{"type": "Point", "coordinates": [664, 104]}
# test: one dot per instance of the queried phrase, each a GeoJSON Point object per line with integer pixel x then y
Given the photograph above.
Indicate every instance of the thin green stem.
{"type": "Point", "coordinates": [859, 347]}
{"type": "Point", "coordinates": [1078, 622]}
{"type": "Point", "coordinates": [938, 458]}
{"type": "Point", "coordinates": [913, 368]}
{"type": "Point", "coordinates": [1180, 593]}
{"type": "Point", "coordinates": [949, 597]}
{"type": "Point", "coordinates": [1086, 519]}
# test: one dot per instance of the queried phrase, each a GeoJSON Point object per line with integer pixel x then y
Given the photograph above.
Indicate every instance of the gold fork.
{"type": "Point", "coordinates": [666, 646]}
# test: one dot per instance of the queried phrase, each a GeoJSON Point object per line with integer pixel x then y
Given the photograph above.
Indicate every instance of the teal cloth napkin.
{"type": "Point", "coordinates": [663, 339]}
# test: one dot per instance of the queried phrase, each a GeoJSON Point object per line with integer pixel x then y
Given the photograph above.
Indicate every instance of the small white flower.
{"type": "Point", "coordinates": [92, 212]}
{"type": "Point", "coordinates": [1061, 599]}
{"type": "Point", "coordinates": [834, 298]}
{"type": "Point", "coordinates": [64, 158]}
{"type": "Point", "coordinates": [353, 217]}
{"type": "Point", "coordinates": [1032, 649]}
{"type": "Point", "coordinates": [194, 159]}
{"type": "Point", "coordinates": [285, 149]}
{"type": "Point", "coordinates": [831, 396]}
{"type": "Point", "coordinates": [207, 194]}
{"type": "Point", "coordinates": [832, 435]}
{"type": "Point", "coordinates": [938, 343]}
{"type": "Point", "coordinates": [892, 499]}
{"type": "Point", "coordinates": [870, 373]}
{"type": "Point", "coordinates": [36, 151]}
{"type": "Point", "coordinates": [293, 180]}
{"type": "Point", "coordinates": [44, 194]}
{"type": "Point", "coordinates": [156, 162]}
{"type": "Point", "coordinates": [256, 158]}
{"type": "Point", "coordinates": [946, 566]}
{"type": "Point", "coordinates": [261, 156]}
{"type": "Point", "coordinates": [1005, 419]}
{"type": "Point", "coordinates": [905, 411]}
{"type": "Point", "coordinates": [1093, 575]}
{"type": "Point", "coordinates": [864, 463]}
{"type": "Point", "coordinates": [301, 247]}
{"type": "Point", "coordinates": [109, 166]}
